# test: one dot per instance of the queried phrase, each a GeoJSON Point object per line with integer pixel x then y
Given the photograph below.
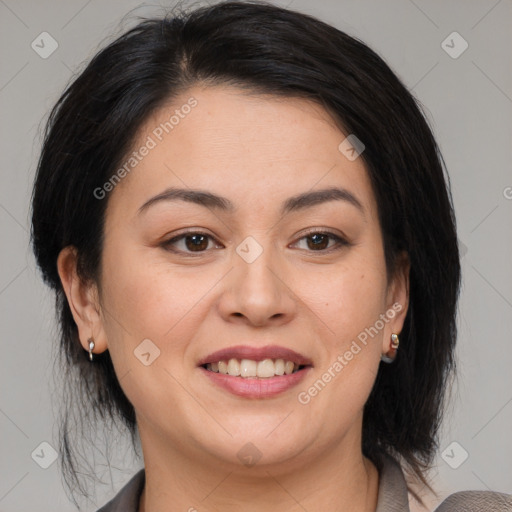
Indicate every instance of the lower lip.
{"type": "Point", "coordinates": [251, 387]}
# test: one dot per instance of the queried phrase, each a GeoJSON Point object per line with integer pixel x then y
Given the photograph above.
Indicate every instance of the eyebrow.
{"type": "Point", "coordinates": [292, 204]}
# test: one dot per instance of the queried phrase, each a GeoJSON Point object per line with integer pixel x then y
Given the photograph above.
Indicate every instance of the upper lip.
{"type": "Point", "coordinates": [255, 354]}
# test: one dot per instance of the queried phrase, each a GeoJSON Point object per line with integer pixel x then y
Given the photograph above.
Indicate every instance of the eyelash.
{"type": "Point", "coordinates": [340, 242]}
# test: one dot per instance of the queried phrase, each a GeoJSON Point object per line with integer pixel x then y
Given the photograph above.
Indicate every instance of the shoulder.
{"type": "Point", "coordinates": [393, 494]}
{"type": "Point", "coordinates": [127, 499]}
{"type": "Point", "coordinates": [476, 501]}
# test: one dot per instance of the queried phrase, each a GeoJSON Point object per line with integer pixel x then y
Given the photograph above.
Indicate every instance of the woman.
{"type": "Point", "coordinates": [245, 219]}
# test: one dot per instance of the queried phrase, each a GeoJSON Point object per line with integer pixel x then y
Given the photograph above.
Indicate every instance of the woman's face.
{"type": "Point", "coordinates": [249, 279]}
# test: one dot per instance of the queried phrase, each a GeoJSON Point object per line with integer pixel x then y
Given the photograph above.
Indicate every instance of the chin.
{"type": "Point", "coordinates": [263, 445]}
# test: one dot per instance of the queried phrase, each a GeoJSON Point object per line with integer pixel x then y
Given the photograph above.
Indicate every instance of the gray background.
{"type": "Point", "coordinates": [468, 102]}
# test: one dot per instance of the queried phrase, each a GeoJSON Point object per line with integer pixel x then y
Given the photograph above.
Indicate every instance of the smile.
{"type": "Point", "coordinates": [247, 368]}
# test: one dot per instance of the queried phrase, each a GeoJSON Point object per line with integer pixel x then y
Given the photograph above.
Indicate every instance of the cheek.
{"type": "Point", "coordinates": [350, 304]}
{"type": "Point", "coordinates": [151, 309]}
{"type": "Point", "coordinates": [147, 298]}
{"type": "Point", "coordinates": [349, 298]}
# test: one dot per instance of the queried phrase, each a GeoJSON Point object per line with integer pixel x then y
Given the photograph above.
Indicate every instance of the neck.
{"type": "Point", "coordinates": [337, 479]}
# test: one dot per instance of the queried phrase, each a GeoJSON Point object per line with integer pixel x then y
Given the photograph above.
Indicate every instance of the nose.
{"type": "Point", "coordinates": [258, 293]}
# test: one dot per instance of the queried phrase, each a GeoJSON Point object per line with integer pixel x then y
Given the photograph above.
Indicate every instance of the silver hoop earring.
{"type": "Point", "coordinates": [390, 355]}
{"type": "Point", "coordinates": [91, 346]}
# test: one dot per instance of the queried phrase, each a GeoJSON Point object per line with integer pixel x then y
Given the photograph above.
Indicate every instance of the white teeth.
{"type": "Point", "coordinates": [233, 367]}
{"type": "Point", "coordinates": [223, 367]}
{"type": "Point", "coordinates": [279, 366]}
{"type": "Point", "coordinates": [266, 368]}
{"type": "Point", "coordinates": [248, 368]}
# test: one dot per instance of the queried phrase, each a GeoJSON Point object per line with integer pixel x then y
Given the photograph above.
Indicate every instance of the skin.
{"type": "Point", "coordinates": [257, 151]}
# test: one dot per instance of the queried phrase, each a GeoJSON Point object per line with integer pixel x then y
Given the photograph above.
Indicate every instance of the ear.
{"type": "Point", "coordinates": [397, 300]}
{"type": "Point", "coordinates": [83, 300]}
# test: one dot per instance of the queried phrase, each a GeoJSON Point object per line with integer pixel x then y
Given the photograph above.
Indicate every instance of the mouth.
{"type": "Point", "coordinates": [249, 368]}
{"type": "Point", "coordinates": [261, 362]}
{"type": "Point", "coordinates": [255, 372]}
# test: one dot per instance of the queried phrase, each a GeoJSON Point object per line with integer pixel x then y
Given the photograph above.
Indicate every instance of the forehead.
{"type": "Point", "coordinates": [255, 149]}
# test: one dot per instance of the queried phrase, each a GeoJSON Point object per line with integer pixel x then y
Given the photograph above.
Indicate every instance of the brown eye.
{"type": "Point", "coordinates": [188, 243]}
{"type": "Point", "coordinates": [196, 242]}
{"type": "Point", "coordinates": [320, 241]}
